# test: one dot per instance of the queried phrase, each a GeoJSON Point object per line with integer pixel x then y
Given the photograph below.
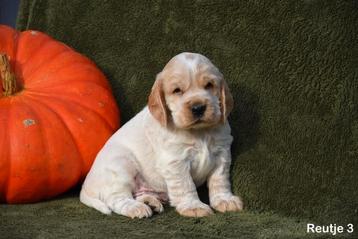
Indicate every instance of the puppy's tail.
{"type": "Point", "coordinates": [94, 202]}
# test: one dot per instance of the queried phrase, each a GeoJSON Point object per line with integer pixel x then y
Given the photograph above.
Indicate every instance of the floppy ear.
{"type": "Point", "coordinates": [227, 101]}
{"type": "Point", "coordinates": [156, 103]}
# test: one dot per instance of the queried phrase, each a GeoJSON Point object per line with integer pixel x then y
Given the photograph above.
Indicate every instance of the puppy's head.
{"type": "Point", "coordinates": [190, 93]}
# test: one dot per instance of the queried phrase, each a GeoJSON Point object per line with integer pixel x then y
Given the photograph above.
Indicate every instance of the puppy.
{"type": "Point", "coordinates": [177, 142]}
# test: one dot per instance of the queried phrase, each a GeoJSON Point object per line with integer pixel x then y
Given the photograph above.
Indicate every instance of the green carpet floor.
{"type": "Point", "coordinates": [66, 217]}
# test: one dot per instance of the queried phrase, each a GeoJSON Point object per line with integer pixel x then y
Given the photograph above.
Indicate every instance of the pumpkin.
{"type": "Point", "coordinates": [56, 112]}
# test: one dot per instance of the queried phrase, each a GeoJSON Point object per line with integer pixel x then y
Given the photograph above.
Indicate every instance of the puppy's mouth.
{"type": "Point", "coordinates": [192, 121]}
{"type": "Point", "coordinates": [199, 123]}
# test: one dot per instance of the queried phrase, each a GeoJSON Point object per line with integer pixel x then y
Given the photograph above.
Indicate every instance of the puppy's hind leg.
{"type": "Point", "coordinates": [120, 184]}
{"type": "Point", "coordinates": [94, 202]}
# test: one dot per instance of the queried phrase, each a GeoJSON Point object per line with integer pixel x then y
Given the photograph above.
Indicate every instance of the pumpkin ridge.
{"type": "Point", "coordinates": [43, 65]}
{"type": "Point", "coordinates": [48, 180]}
{"type": "Point", "coordinates": [44, 78]}
{"type": "Point", "coordinates": [63, 122]}
{"type": "Point", "coordinates": [17, 102]}
{"type": "Point", "coordinates": [63, 83]}
{"type": "Point", "coordinates": [34, 53]}
{"type": "Point", "coordinates": [8, 148]}
{"type": "Point", "coordinates": [67, 103]}
{"type": "Point", "coordinates": [67, 98]}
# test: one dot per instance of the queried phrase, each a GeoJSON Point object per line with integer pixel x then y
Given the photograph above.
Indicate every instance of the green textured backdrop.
{"type": "Point", "coordinates": [292, 67]}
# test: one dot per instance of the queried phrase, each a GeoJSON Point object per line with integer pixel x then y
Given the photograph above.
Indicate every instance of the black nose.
{"type": "Point", "coordinates": [198, 110]}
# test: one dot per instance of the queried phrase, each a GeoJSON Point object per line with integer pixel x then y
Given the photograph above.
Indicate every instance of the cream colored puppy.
{"type": "Point", "coordinates": [179, 141]}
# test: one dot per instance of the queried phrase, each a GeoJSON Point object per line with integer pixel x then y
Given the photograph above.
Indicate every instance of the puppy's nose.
{"type": "Point", "coordinates": [198, 110]}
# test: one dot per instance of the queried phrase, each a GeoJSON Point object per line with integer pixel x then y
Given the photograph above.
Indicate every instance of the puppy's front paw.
{"type": "Point", "coordinates": [132, 208]}
{"type": "Point", "coordinates": [152, 201]}
{"type": "Point", "coordinates": [194, 209]}
{"type": "Point", "coordinates": [228, 204]}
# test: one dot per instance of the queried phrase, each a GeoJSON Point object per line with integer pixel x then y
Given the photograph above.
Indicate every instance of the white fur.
{"type": "Point", "coordinates": [191, 63]}
{"type": "Point", "coordinates": [171, 161]}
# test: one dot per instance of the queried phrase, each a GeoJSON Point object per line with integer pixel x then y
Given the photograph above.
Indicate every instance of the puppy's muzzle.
{"type": "Point", "coordinates": [198, 110]}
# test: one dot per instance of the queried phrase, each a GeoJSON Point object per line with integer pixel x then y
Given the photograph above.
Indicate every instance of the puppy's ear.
{"type": "Point", "coordinates": [226, 100]}
{"type": "Point", "coordinates": [156, 102]}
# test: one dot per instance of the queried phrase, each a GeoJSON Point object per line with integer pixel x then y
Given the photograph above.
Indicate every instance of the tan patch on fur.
{"type": "Point", "coordinates": [156, 103]}
{"type": "Point", "coordinates": [189, 56]}
{"type": "Point", "coordinates": [196, 212]}
{"type": "Point", "coordinates": [233, 205]}
{"type": "Point", "coordinates": [227, 101]}
{"type": "Point", "coordinates": [138, 210]}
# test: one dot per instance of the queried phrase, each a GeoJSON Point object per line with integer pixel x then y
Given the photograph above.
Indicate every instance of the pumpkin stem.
{"type": "Point", "coordinates": [8, 78]}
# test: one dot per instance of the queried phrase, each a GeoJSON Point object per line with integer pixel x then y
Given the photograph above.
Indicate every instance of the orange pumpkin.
{"type": "Point", "coordinates": [56, 112]}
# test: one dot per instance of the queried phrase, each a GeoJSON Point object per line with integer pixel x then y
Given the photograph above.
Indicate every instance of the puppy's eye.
{"type": "Point", "coordinates": [209, 86]}
{"type": "Point", "coordinates": [177, 91]}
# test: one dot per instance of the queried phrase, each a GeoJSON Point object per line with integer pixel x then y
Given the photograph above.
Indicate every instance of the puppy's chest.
{"type": "Point", "coordinates": [202, 154]}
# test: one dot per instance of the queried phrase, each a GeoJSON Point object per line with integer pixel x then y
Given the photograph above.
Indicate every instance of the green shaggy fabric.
{"type": "Point", "coordinates": [292, 67]}
{"type": "Point", "coordinates": [67, 218]}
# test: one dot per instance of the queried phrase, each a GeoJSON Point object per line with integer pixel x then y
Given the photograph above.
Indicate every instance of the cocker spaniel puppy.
{"type": "Point", "coordinates": [177, 142]}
